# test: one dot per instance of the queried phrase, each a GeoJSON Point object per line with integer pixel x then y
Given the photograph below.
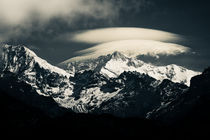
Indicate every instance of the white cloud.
{"type": "Point", "coordinates": [131, 48]}
{"type": "Point", "coordinates": [113, 34]}
{"type": "Point", "coordinates": [18, 12]}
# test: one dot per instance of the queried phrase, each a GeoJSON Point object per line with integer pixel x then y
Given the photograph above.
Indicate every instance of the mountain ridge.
{"type": "Point", "coordinates": [113, 65]}
{"type": "Point", "coordinates": [90, 91]}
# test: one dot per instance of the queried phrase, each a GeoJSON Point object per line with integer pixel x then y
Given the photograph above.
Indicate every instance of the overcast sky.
{"type": "Point", "coordinates": [57, 30]}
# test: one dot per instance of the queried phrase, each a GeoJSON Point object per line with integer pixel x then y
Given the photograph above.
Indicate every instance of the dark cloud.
{"type": "Point", "coordinates": [184, 17]}
{"type": "Point", "coordinates": [21, 12]}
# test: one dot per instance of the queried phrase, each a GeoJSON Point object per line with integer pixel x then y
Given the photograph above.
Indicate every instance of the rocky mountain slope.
{"type": "Point", "coordinates": [128, 93]}
{"type": "Point", "coordinates": [194, 103]}
{"type": "Point", "coordinates": [39, 98]}
{"type": "Point", "coordinates": [48, 80]}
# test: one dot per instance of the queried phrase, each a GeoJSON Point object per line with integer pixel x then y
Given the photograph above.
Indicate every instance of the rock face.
{"type": "Point", "coordinates": [113, 84]}
{"type": "Point", "coordinates": [194, 103]}
{"type": "Point", "coordinates": [12, 87]}
{"type": "Point", "coordinates": [139, 94]}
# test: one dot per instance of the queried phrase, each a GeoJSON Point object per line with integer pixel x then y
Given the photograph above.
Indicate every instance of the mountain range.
{"type": "Point", "coordinates": [114, 84]}
{"type": "Point", "coordinates": [112, 65]}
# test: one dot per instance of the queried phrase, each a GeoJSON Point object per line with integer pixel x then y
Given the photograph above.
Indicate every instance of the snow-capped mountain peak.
{"type": "Point", "coordinates": [15, 55]}
{"type": "Point", "coordinates": [113, 65]}
{"type": "Point", "coordinates": [118, 55]}
{"type": "Point", "coordinates": [46, 79]}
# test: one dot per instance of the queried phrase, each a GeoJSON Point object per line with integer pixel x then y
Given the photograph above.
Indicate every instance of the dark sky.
{"type": "Point", "coordinates": [189, 18]}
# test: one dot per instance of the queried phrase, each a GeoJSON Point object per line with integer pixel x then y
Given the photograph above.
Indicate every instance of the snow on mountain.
{"type": "Point", "coordinates": [48, 80]}
{"type": "Point", "coordinates": [52, 81]}
{"type": "Point", "coordinates": [115, 64]}
{"type": "Point", "coordinates": [14, 53]}
{"type": "Point", "coordinates": [113, 84]}
{"type": "Point", "coordinates": [194, 102]}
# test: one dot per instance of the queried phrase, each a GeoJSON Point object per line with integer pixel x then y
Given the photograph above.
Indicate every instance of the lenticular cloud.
{"type": "Point", "coordinates": [113, 34]}
{"type": "Point", "coordinates": [131, 48]}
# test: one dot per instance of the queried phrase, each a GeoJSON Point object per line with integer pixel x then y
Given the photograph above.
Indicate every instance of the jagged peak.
{"type": "Point", "coordinates": [17, 49]}
{"type": "Point", "coordinates": [7, 47]}
{"type": "Point", "coordinates": [14, 54]}
{"type": "Point", "coordinates": [118, 55]}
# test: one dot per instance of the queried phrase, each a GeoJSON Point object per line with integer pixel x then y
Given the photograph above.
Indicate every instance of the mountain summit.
{"type": "Point", "coordinates": [48, 80]}
{"type": "Point", "coordinates": [113, 65]}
